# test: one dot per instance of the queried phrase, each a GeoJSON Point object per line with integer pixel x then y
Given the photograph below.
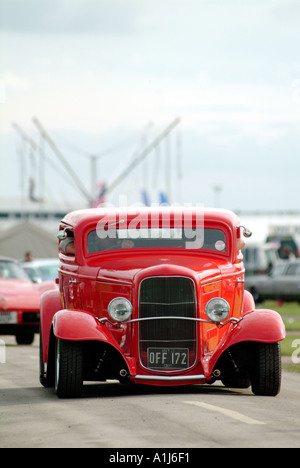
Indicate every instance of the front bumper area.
{"type": "Point", "coordinates": [183, 379]}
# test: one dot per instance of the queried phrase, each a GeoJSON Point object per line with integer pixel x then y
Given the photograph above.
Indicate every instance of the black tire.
{"type": "Point", "coordinates": [68, 369]}
{"type": "Point", "coordinates": [256, 296]}
{"type": "Point", "coordinates": [266, 378]}
{"type": "Point", "coordinates": [43, 379]}
{"type": "Point", "coordinates": [25, 338]}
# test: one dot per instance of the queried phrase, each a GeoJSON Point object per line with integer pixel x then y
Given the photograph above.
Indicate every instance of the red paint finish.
{"type": "Point", "coordinates": [19, 302]}
{"type": "Point", "coordinates": [168, 339]}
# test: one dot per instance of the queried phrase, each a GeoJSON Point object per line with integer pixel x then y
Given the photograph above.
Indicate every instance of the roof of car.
{"type": "Point", "coordinates": [94, 215]}
{"type": "Point", "coordinates": [7, 259]}
{"type": "Point", "coordinates": [41, 262]}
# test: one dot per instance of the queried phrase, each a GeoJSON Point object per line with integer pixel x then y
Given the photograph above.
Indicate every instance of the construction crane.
{"type": "Point", "coordinates": [139, 158]}
{"type": "Point", "coordinates": [112, 185]}
{"type": "Point", "coordinates": [65, 163]}
{"type": "Point", "coordinates": [33, 147]}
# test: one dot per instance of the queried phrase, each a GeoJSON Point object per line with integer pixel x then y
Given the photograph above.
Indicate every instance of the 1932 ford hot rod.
{"type": "Point", "coordinates": [156, 297]}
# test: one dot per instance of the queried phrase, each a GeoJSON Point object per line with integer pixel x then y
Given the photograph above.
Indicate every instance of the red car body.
{"type": "Point", "coordinates": [163, 304]}
{"type": "Point", "coordinates": [19, 302]}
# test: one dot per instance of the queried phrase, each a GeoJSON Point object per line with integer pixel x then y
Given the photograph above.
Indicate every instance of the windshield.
{"type": "Point", "coordinates": [10, 270]}
{"type": "Point", "coordinates": [42, 272]}
{"type": "Point", "coordinates": [209, 239]}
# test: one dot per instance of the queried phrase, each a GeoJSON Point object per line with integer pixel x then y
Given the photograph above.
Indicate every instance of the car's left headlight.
{"type": "Point", "coordinates": [120, 309]}
{"type": "Point", "coordinates": [217, 309]}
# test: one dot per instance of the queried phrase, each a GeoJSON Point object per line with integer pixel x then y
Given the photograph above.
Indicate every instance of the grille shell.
{"type": "Point", "coordinates": [167, 297]}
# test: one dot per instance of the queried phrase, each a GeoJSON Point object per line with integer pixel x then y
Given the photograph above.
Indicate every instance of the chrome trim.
{"type": "Point", "coordinates": [62, 233]}
{"type": "Point", "coordinates": [220, 299]}
{"type": "Point", "coordinates": [172, 317]}
{"type": "Point", "coordinates": [233, 320]}
{"type": "Point", "coordinates": [165, 372]}
{"type": "Point", "coordinates": [246, 232]}
{"type": "Point", "coordinates": [172, 378]}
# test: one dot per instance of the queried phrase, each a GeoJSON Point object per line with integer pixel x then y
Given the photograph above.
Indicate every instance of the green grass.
{"type": "Point", "coordinates": [287, 309]}
{"type": "Point", "coordinates": [292, 367]}
{"type": "Point", "coordinates": [290, 313]}
{"type": "Point", "coordinates": [291, 347]}
{"type": "Point", "coordinates": [290, 344]}
{"type": "Point", "coordinates": [291, 325]}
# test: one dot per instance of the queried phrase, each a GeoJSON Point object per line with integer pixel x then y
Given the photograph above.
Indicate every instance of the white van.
{"type": "Point", "coordinates": [259, 257]}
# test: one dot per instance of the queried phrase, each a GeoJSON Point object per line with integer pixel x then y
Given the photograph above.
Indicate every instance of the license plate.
{"type": "Point", "coordinates": [171, 358]}
{"type": "Point", "coordinates": [8, 317]}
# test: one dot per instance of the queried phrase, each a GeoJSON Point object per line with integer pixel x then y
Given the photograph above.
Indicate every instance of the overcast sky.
{"type": "Point", "coordinates": [113, 74]}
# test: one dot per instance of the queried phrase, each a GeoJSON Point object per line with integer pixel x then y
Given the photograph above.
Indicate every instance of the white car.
{"type": "Point", "coordinates": [41, 269]}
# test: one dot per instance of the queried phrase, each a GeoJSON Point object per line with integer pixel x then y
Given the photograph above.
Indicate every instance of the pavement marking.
{"type": "Point", "coordinates": [230, 413]}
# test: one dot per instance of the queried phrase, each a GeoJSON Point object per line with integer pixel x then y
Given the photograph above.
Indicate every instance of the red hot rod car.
{"type": "Point", "coordinates": [156, 297]}
{"type": "Point", "coordinates": [20, 302]}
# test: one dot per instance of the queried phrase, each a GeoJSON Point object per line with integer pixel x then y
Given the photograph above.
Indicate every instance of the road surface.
{"type": "Point", "coordinates": [110, 415]}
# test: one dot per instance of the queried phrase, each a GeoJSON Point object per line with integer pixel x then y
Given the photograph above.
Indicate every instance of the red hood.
{"type": "Point", "coordinates": [22, 294]}
{"type": "Point", "coordinates": [126, 269]}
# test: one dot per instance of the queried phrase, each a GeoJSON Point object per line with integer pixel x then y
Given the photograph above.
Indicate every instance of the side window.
{"type": "Point", "coordinates": [292, 269]}
{"type": "Point", "coordinates": [278, 270]}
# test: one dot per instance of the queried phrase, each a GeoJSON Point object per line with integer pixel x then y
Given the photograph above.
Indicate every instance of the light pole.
{"type": "Point", "coordinates": [217, 191]}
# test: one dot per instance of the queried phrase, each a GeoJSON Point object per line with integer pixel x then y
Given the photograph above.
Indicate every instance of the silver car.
{"type": "Point", "coordinates": [283, 283]}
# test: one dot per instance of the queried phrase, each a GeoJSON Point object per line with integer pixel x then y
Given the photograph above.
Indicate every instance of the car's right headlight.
{"type": "Point", "coordinates": [120, 309]}
{"type": "Point", "coordinates": [217, 309]}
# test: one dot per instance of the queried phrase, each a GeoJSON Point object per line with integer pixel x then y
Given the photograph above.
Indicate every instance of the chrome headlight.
{"type": "Point", "coordinates": [120, 309]}
{"type": "Point", "coordinates": [217, 309]}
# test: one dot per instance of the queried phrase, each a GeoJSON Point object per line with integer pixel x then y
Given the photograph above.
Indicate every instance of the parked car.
{"type": "Point", "coordinates": [19, 302]}
{"type": "Point", "coordinates": [40, 270]}
{"type": "Point", "coordinates": [283, 283]}
{"type": "Point", "coordinates": [259, 258]}
{"type": "Point", "coordinates": [288, 245]}
{"type": "Point", "coordinates": [155, 297]}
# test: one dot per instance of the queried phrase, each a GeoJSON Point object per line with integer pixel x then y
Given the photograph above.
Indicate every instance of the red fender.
{"type": "Point", "coordinates": [50, 304]}
{"type": "Point", "coordinates": [79, 325]}
{"type": "Point", "coordinates": [261, 325]}
{"type": "Point", "coordinates": [248, 302]}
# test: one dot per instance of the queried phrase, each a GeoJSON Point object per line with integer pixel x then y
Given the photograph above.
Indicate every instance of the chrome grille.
{"type": "Point", "coordinates": [167, 297]}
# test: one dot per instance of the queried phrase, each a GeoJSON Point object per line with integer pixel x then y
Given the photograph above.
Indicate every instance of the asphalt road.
{"type": "Point", "coordinates": [114, 416]}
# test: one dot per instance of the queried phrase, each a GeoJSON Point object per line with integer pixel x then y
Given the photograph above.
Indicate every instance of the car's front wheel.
{"type": "Point", "coordinates": [68, 368]}
{"type": "Point", "coordinates": [266, 378]}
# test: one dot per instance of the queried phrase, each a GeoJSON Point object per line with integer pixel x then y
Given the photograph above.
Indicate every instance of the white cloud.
{"type": "Point", "coordinates": [229, 69]}
{"type": "Point", "coordinates": [15, 82]}
{"type": "Point", "coordinates": [68, 16]}
{"type": "Point", "coordinates": [2, 92]}
{"type": "Point", "coordinates": [98, 102]}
